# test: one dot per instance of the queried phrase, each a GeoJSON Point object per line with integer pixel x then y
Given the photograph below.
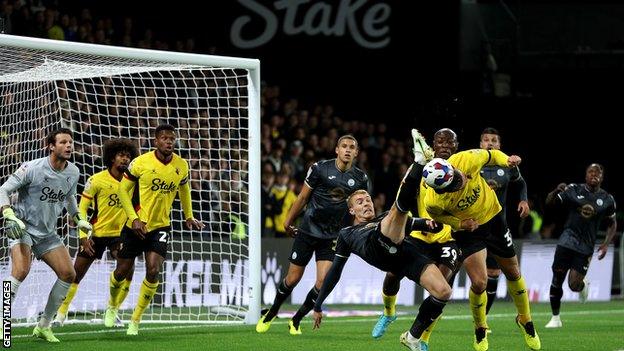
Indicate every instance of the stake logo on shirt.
{"type": "Point", "coordinates": [51, 196]}
{"type": "Point", "coordinates": [159, 184]}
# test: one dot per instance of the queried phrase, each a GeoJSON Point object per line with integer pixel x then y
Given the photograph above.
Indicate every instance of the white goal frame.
{"type": "Point", "coordinates": [254, 163]}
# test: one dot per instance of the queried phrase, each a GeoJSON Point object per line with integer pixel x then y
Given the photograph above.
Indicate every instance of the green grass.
{"type": "Point", "coordinates": [592, 326]}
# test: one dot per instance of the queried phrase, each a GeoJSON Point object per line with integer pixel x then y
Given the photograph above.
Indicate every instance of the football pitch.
{"type": "Point", "coordinates": [590, 326]}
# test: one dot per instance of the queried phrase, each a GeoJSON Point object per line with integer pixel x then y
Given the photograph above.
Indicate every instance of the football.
{"type": "Point", "coordinates": [438, 173]}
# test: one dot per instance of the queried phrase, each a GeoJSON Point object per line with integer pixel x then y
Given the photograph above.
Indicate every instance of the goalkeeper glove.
{"type": "Point", "coordinates": [14, 227]}
{"type": "Point", "coordinates": [82, 224]}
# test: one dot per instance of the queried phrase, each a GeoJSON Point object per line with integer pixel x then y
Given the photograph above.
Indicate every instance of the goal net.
{"type": "Point", "coordinates": [103, 92]}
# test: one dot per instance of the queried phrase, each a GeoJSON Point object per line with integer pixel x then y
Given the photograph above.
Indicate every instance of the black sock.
{"type": "Point", "coordinates": [555, 299]}
{"type": "Point", "coordinates": [410, 187]}
{"type": "Point", "coordinates": [283, 291]}
{"type": "Point", "coordinates": [428, 312]}
{"type": "Point", "coordinates": [492, 286]}
{"type": "Point", "coordinates": [307, 306]}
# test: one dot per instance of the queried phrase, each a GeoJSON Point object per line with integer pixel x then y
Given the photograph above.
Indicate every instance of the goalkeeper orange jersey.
{"type": "Point", "coordinates": [102, 193]}
{"type": "Point", "coordinates": [476, 200]}
{"type": "Point", "coordinates": [441, 237]}
{"type": "Point", "coordinates": [158, 185]}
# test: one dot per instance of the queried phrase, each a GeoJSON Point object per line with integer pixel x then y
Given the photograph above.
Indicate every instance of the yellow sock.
{"type": "Point", "coordinates": [115, 289]}
{"type": "Point", "coordinates": [517, 290]}
{"type": "Point", "coordinates": [123, 292]}
{"type": "Point", "coordinates": [145, 297]}
{"type": "Point", "coordinates": [427, 333]}
{"type": "Point", "coordinates": [477, 306]}
{"type": "Point", "coordinates": [389, 304]}
{"type": "Point", "coordinates": [68, 299]}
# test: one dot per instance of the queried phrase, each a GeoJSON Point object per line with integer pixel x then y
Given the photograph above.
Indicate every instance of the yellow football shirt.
{"type": "Point", "coordinates": [476, 200]}
{"type": "Point", "coordinates": [158, 184]}
{"type": "Point", "coordinates": [102, 192]}
{"type": "Point", "coordinates": [442, 236]}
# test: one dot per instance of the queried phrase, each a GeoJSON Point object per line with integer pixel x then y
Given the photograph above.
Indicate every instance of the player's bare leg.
{"type": "Point", "coordinates": [20, 266]}
{"type": "Point", "coordinates": [59, 260]}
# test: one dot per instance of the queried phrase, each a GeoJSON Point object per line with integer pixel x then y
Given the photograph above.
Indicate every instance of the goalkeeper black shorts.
{"type": "Point", "coordinates": [132, 245]}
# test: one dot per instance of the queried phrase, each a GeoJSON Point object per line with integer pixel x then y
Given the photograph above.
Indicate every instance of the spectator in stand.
{"type": "Point", "coordinates": [295, 159]}
{"type": "Point", "coordinates": [284, 200]}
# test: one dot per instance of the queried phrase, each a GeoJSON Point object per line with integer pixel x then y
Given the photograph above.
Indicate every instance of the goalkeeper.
{"type": "Point", "coordinates": [44, 187]}
{"type": "Point", "coordinates": [108, 219]}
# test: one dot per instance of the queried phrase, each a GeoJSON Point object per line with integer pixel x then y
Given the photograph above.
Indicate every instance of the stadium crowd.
{"type": "Point", "coordinates": [292, 136]}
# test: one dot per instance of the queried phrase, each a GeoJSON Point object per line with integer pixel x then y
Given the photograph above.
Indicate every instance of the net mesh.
{"type": "Point", "coordinates": [206, 273]}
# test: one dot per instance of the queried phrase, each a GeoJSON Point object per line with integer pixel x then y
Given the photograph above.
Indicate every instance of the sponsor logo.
{"type": "Point", "coordinates": [587, 211]}
{"type": "Point", "coordinates": [50, 195]}
{"type": "Point", "coordinates": [470, 199]}
{"type": "Point", "coordinates": [365, 22]}
{"type": "Point", "coordinates": [113, 200]}
{"type": "Point", "coordinates": [162, 186]}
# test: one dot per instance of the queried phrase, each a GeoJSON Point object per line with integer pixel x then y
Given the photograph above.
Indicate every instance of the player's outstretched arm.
{"type": "Point", "coordinates": [331, 279]}
{"type": "Point", "coordinates": [185, 198]}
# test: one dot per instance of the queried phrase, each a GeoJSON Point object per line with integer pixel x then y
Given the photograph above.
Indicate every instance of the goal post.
{"type": "Point", "coordinates": [104, 92]}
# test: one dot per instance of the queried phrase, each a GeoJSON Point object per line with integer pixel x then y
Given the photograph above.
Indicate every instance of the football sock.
{"type": "Point", "coordinates": [56, 297]}
{"type": "Point", "coordinates": [410, 187]}
{"type": "Point", "coordinates": [283, 291]}
{"type": "Point", "coordinates": [427, 333]}
{"type": "Point", "coordinates": [517, 290]}
{"type": "Point", "coordinates": [115, 287]}
{"type": "Point", "coordinates": [68, 299]}
{"type": "Point", "coordinates": [145, 297]}
{"type": "Point", "coordinates": [307, 306]}
{"type": "Point", "coordinates": [556, 292]}
{"type": "Point", "coordinates": [477, 306]}
{"type": "Point", "coordinates": [125, 288]}
{"type": "Point", "coordinates": [15, 283]}
{"type": "Point", "coordinates": [429, 311]}
{"type": "Point", "coordinates": [492, 286]}
{"type": "Point", "coordinates": [389, 304]}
